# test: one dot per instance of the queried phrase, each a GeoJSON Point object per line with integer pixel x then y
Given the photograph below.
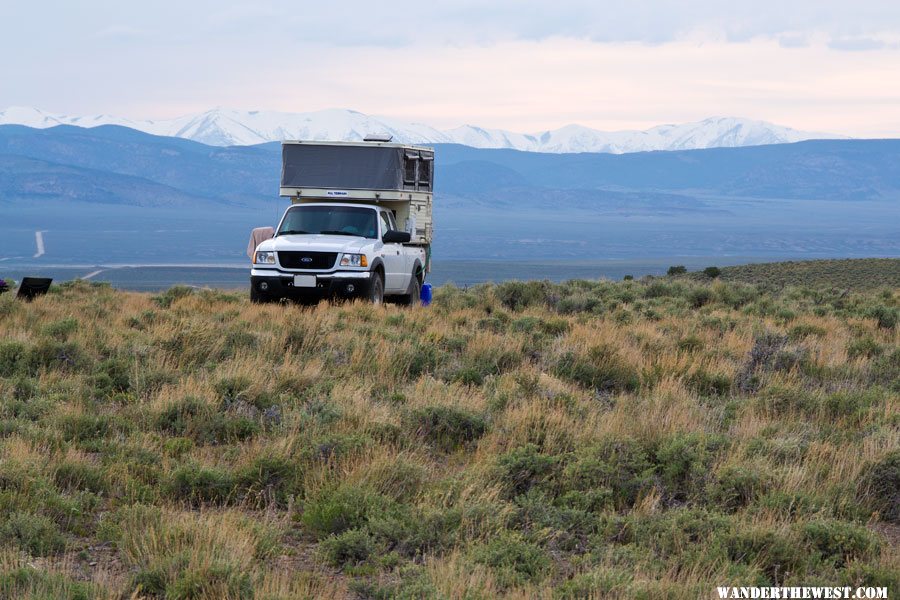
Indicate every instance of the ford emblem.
{"type": "Point", "coordinates": [306, 259]}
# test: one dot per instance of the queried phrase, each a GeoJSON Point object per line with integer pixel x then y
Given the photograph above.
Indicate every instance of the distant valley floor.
{"type": "Point", "coordinates": [866, 273]}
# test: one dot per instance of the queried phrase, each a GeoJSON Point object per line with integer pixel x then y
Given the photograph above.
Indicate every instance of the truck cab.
{"type": "Point", "coordinates": [331, 249]}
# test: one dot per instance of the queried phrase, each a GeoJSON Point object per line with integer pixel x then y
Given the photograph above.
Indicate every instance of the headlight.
{"type": "Point", "coordinates": [354, 260]}
{"type": "Point", "coordinates": [264, 258]}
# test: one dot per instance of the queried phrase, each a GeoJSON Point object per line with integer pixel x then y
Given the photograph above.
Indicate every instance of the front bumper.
{"type": "Point", "coordinates": [280, 284]}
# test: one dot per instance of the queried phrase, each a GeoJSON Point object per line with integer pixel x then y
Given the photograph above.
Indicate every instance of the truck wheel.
{"type": "Point", "coordinates": [257, 297]}
{"type": "Point", "coordinates": [376, 291]}
{"type": "Point", "coordinates": [414, 297]}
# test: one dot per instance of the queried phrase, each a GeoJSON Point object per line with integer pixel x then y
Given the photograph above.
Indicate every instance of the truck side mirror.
{"type": "Point", "coordinates": [394, 236]}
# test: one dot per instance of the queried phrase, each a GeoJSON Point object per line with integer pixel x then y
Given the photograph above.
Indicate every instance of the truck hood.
{"type": "Point", "coordinates": [315, 243]}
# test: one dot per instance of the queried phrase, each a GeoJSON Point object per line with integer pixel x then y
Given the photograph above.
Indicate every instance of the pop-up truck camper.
{"type": "Point", "coordinates": [359, 224]}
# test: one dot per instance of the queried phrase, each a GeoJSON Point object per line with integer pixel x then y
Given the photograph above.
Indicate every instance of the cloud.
{"type": "Point", "coordinates": [856, 44]}
{"type": "Point", "coordinates": [461, 22]}
{"type": "Point", "coordinates": [793, 40]}
{"type": "Point", "coordinates": [121, 32]}
{"type": "Point", "coordinates": [517, 64]}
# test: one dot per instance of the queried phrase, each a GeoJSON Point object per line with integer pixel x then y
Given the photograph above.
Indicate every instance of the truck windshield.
{"type": "Point", "coordinates": [335, 220]}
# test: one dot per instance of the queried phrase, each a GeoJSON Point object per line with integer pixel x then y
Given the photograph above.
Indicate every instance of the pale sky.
{"type": "Point", "coordinates": [818, 65]}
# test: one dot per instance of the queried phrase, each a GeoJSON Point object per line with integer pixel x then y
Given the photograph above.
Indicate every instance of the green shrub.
{"type": "Point", "coordinates": [662, 289]}
{"type": "Point", "coordinates": [683, 463]}
{"type": "Point", "coordinates": [414, 361]}
{"type": "Point", "coordinates": [676, 270]}
{"type": "Point", "coordinates": [781, 450]}
{"type": "Point", "coordinates": [476, 366]}
{"type": "Point", "coordinates": [608, 582]}
{"type": "Point", "coordinates": [886, 370]}
{"type": "Point", "coordinates": [735, 487]}
{"type": "Point", "coordinates": [201, 422]}
{"type": "Point", "coordinates": [513, 560]}
{"type": "Point", "coordinates": [212, 581]}
{"type": "Point", "coordinates": [774, 553]}
{"type": "Point", "coordinates": [667, 534]}
{"type": "Point", "coordinates": [339, 509]}
{"type": "Point", "coordinates": [414, 584]}
{"type": "Point", "coordinates": [792, 505]}
{"type": "Point", "coordinates": [232, 390]}
{"type": "Point", "coordinates": [61, 356]}
{"type": "Point", "coordinates": [198, 485]}
{"type": "Point", "coordinates": [176, 419]}
{"type": "Point", "coordinates": [173, 294]}
{"type": "Point", "coordinates": [850, 404]}
{"type": "Point", "coordinates": [401, 480]}
{"type": "Point", "coordinates": [839, 542]}
{"type": "Point", "coordinates": [35, 534]}
{"type": "Point", "coordinates": [736, 295]}
{"type": "Point", "coordinates": [690, 343]}
{"type": "Point", "coordinates": [351, 547]}
{"type": "Point", "coordinates": [111, 376]}
{"type": "Point", "coordinates": [12, 355]}
{"type": "Point", "coordinates": [89, 427]}
{"type": "Point", "coordinates": [150, 582]}
{"type": "Point", "coordinates": [705, 383]}
{"type": "Point", "coordinates": [579, 303]}
{"type": "Point", "coordinates": [446, 427]}
{"type": "Point", "coordinates": [782, 400]}
{"type": "Point", "coordinates": [523, 468]}
{"type": "Point", "coordinates": [562, 525]}
{"type": "Point", "coordinates": [803, 330]}
{"type": "Point", "coordinates": [469, 375]}
{"type": "Point", "coordinates": [552, 327]}
{"type": "Point", "coordinates": [62, 329]}
{"type": "Point", "coordinates": [712, 272]}
{"type": "Point", "coordinates": [75, 476]}
{"type": "Point", "coordinates": [416, 532]}
{"type": "Point", "coordinates": [42, 584]}
{"type": "Point", "coordinates": [885, 316]}
{"type": "Point", "coordinates": [622, 466]}
{"type": "Point", "coordinates": [699, 297]}
{"type": "Point", "coordinates": [865, 347]}
{"type": "Point", "coordinates": [602, 370]}
{"type": "Point", "coordinates": [268, 478]}
{"type": "Point", "coordinates": [516, 295]}
{"type": "Point", "coordinates": [879, 486]}
{"type": "Point", "coordinates": [238, 339]}
{"type": "Point", "coordinates": [868, 575]}
{"type": "Point", "coordinates": [177, 446]}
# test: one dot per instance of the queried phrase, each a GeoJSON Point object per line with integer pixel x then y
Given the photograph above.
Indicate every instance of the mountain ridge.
{"type": "Point", "coordinates": [817, 169]}
{"type": "Point", "coordinates": [228, 127]}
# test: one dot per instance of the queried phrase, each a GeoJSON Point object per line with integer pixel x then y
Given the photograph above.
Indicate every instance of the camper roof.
{"type": "Point", "coordinates": [361, 144]}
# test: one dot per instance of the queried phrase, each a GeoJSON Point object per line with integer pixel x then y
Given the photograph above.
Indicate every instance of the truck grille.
{"type": "Point", "coordinates": [307, 260]}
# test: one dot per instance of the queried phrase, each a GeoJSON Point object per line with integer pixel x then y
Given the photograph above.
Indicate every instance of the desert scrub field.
{"type": "Point", "coordinates": [853, 273]}
{"type": "Point", "coordinates": [642, 439]}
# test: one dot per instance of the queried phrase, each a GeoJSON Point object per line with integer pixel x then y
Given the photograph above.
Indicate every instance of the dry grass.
{"type": "Point", "coordinates": [526, 440]}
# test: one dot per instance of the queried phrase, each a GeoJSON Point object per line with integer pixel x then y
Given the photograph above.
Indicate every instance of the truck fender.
{"type": "Point", "coordinates": [377, 262]}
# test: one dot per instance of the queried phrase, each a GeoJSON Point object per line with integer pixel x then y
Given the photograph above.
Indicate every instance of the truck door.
{"type": "Point", "coordinates": [394, 259]}
{"type": "Point", "coordinates": [409, 257]}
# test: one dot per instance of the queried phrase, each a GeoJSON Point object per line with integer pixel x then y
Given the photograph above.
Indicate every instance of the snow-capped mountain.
{"type": "Point", "coordinates": [225, 127]}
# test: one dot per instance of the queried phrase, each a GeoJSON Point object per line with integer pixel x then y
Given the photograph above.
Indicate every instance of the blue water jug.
{"type": "Point", "coordinates": [426, 294]}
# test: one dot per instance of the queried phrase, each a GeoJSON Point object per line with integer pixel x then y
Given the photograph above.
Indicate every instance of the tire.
{"type": "Point", "coordinates": [257, 297]}
{"type": "Point", "coordinates": [414, 297]}
{"type": "Point", "coordinates": [376, 290]}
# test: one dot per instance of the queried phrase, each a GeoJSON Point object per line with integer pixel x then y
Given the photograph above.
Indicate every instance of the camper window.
{"type": "Point", "coordinates": [409, 171]}
{"type": "Point", "coordinates": [425, 172]}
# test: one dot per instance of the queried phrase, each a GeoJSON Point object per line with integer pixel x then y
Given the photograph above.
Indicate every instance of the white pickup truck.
{"type": "Point", "coordinates": [359, 225]}
{"type": "Point", "coordinates": [337, 249]}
